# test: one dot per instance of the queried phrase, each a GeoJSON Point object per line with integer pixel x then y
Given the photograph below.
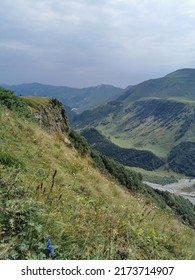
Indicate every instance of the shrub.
{"type": "Point", "coordinates": [14, 103]}
{"type": "Point", "coordinates": [79, 142]}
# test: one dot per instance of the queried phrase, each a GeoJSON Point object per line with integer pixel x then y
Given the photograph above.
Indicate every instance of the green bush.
{"type": "Point", "coordinates": [79, 142]}
{"type": "Point", "coordinates": [14, 103]}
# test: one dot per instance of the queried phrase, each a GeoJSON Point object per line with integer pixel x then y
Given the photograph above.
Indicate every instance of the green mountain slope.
{"type": "Point", "coordinates": [180, 83]}
{"type": "Point", "coordinates": [181, 158]}
{"type": "Point", "coordinates": [156, 115]}
{"type": "Point", "coordinates": [52, 190]}
{"type": "Point", "coordinates": [128, 157]}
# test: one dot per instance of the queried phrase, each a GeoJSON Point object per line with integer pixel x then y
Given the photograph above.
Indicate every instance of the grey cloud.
{"type": "Point", "coordinates": [83, 42]}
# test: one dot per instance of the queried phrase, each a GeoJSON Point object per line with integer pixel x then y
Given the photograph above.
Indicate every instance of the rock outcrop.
{"type": "Point", "coordinates": [53, 117]}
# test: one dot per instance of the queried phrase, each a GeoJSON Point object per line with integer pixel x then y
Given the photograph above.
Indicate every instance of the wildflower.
{"type": "Point", "coordinates": [50, 248]}
{"type": "Point", "coordinates": [48, 241]}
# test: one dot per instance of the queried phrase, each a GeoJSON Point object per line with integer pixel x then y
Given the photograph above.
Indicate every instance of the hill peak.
{"type": "Point", "coordinates": [182, 73]}
{"type": "Point", "coordinates": [178, 84]}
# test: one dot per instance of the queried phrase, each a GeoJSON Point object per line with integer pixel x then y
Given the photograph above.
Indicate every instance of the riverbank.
{"type": "Point", "coordinates": [184, 187]}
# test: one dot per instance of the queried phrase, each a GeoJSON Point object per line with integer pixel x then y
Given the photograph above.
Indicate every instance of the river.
{"type": "Point", "coordinates": [177, 188]}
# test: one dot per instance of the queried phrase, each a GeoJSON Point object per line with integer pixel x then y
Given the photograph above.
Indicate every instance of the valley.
{"type": "Point", "coordinates": [85, 182]}
{"type": "Point", "coordinates": [157, 116]}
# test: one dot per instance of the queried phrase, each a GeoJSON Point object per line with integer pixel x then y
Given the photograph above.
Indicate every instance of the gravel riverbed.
{"type": "Point", "coordinates": [177, 188]}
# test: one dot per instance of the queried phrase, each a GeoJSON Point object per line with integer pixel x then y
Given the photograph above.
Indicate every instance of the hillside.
{"type": "Point", "coordinates": [60, 199]}
{"type": "Point", "coordinates": [73, 98]}
{"type": "Point", "coordinates": [128, 157]}
{"type": "Point", "coordinates": [154, 116]}
{"type": "Point", "coordinates": [180, 83]}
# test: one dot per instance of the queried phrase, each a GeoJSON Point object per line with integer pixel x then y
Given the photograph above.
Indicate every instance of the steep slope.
{"type": "Point", "coordinates": [156, 115]}
{"type": "Point", "coordinates": [49, 194]}
{"type": "Point", "coordinates": [75, 98]}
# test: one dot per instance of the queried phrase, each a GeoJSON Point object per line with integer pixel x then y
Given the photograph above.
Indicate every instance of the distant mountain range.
{"type": "Point", "coordinates": [76, 99]}
{"type": "Point", "coordinates": [155, 118]}
{"type": "Point", "coordinates": [157, 115]}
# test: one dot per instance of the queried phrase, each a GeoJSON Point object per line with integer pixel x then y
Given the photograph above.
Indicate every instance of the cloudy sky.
{"type": "Point", "coordinates": [83, 43]}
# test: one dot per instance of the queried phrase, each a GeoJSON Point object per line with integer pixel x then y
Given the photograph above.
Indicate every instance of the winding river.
{"type": "Point", "coordinates": [177, 188]}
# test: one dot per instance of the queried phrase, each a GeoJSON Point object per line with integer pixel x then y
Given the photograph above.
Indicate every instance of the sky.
{"type": "Point", "coordinates": [81, 43]}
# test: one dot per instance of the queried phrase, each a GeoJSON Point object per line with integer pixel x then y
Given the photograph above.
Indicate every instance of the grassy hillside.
{"type": "Point", "coordinates": [48, 191]}
{"type": "Point", "coordinates": [154, 116]}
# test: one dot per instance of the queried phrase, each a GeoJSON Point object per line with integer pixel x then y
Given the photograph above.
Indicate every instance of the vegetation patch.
{"type": "Point", "coordinates": [128, 178]}
{"type": "Point", "coordinates": [36, 102]}
{"type": "Point", "coordinates": [125, 177]}
{"type": "Point", "coordinates": [182, 158]}
{"type": "Point", "coordinates": [93, 117]}
{"type": "Point", "coordinates": [189, 189]}
{"type": "Point", "coordinates": [21, 219]}
{"type": "Point", "coordinates": [181, 206]}
{"type": "Point", "coordinates": [14, 103]}
{"type": "Point", "coordinates": [10, 160]}
{"type": "Point", "coordinates": [129, 157]}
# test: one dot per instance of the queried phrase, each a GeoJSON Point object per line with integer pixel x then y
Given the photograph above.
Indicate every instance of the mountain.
{"type": "Point", "coordinates": [178, 84]}
{"type": "Point", "coordinates": [74, 99]}
{"type": "Point", "coordinates": [60, 199]}
{"type": "Point", "coordinates": [156, 115]}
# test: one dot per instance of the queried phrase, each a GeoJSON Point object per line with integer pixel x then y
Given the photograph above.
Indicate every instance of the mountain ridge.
{"type": "Point", "coordinates": [165, 87]}
{"type": "Point", "coordinates": [155, 115]}
{"type": "Point", "coordinates": [78, 98]}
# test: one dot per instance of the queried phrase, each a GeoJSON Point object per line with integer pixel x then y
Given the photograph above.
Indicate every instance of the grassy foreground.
{"type": "Point", "coordinates": [48, 190]}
